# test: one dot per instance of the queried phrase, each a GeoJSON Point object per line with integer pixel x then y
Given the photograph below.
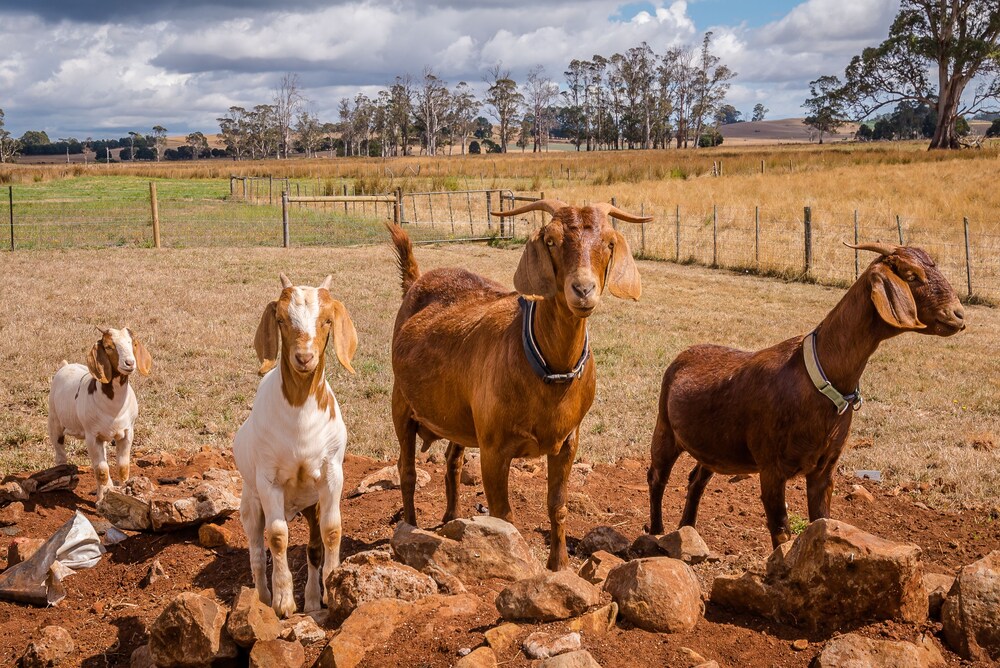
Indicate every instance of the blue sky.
{"type": "Point", "coordinates": [95, 68]}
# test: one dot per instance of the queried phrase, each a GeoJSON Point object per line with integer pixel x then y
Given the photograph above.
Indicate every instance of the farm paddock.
{"type": "Point", "coordinates": [930, 424]}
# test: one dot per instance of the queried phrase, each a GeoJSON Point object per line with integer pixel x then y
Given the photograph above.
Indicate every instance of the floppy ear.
{"type": "Point", "coordinates": [535, 275]}
{"type": "Point", "coordinates": [893, 299]}
{"type": "Point", "coordinates": [345, 337]}
{"type": "Point", "coordinates": [99, 364]}
{"type": "Point", "coordinates": [623, 275]}
{"type": "Point", "coordinates": [265, 342]}
{"type": "Point", "coordinates": [143, 360]}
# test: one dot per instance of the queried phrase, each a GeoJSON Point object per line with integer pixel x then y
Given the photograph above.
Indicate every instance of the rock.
{"type": "Point", "coordinates": [62, 477]}
{"type": "Point", "coordinates": [370, 624]}
{"type": "Point", "coordinates": [189, 632]}
{"type": "Point", "coordinates": [154, 574]}
{"type": "Point", "coordinates": [482, 657]}
{"type": "Point", "coordinates": [387, 478]}
{"type": "Point", "coordinates": [833, 575]}
{"type": "Point", "coordinates": [657, 594]}
{"type": "Point", "coordinates": [547, 597]}
{"type": "Point", "coordinates": [446, 582]}
{"type": "Point", "coordinates": [542, 645]}
{"type": "Point", "coordinates": [470, 549]}
{"type": "Point", "coordinates": [708, 664]}
{"type": "Point", "coordinates": [858, 651]}
{"type": "Point", "coordinates": [596, 622]}
{"type": "Point", "coordinates": [578, 659]}
{"type": "Point", "coordinates": [581, 504]}
{"type": "Point", "coordinates": [21, 549]}
{"type": "Point", "coordinates": [273, 653]}
{"type": "Point", "coordinates": [302, 628]}
{"type": "Point", "coordinates": [251, 620]}
{"type": "Point", "coordinates": [207, 501]}
{"type": "Point", "coordinates": [502, 638]}
{"type": "Point", "coordinates": [684, 544]}
{"type": "Point", "coordinates": [859, 494]}
{"type": "Point", "coordinates": [603, 539]}
{"type": "Point", "coordinates": [645, 546]}
{"type": "Point", "coordinates": [127, 507]}
{"type": "Point", "coordinates": [800, 645]}
{"type": "Point", "coordinates": [971, 613]}
{"type": "Point", "coordinates": [54, 645]}
{"type": "Point", "coordinates": [11, 514]}
{"type": "Point", "coordinates": [141, 658]}
{"type": "Point", "coordinates": [214, 535]}
{"type": "Point", "coordinates": [207, 458]}
{"type": "Point", "coordinates": [11, 491]}
{"type": "Point", "coordinates": [372, 575]}
{"type": "Point", "coordinates": [472, 473]}
{"type": "Point", "coordinates": [938, 586]}
{"type": "Point", "coordinates": [161, 458]}
{"type": "Point", "coordinates": [694, 658]}
{"type": "Point", "coordinates": [597, 567]}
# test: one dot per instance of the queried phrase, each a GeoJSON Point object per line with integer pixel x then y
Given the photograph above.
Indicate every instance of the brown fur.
{"type": "Point", "coordinates": [460, 372]}
{"type": "Point", "coordinates": [743, 412]}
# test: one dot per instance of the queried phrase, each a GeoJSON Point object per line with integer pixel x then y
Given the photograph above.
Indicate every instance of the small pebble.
{"type": "Point", "coordinates": [465, 651]}
{"type": "Point", "coordinates": [800, 645]}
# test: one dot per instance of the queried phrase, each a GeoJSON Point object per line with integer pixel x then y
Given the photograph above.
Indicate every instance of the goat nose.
{"type": "Point", "coordinates": [303, 358]}
{"type": "Point", "coordinates": [583, 289]}
{"type": "Point", "coordinates": [959, 312]}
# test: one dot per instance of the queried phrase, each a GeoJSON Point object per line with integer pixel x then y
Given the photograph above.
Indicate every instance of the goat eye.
{"type": "Point", "coordinates": [549, 242]}
{"type": "Point", "coordinates": [611, 245]}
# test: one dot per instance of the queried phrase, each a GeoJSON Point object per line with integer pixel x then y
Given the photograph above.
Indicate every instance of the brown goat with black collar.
{"type": "Point", "coordinates": [462, 366]}
{"type": "Point", "coordinates": [745, 412]}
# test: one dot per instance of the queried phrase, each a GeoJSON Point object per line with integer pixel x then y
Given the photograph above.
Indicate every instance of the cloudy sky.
{"type": "Point", "coordinates": [87, 68]}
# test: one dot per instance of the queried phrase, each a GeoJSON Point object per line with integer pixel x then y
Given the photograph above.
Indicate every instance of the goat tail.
{"type": "Point", "coordinates": [409, 272]}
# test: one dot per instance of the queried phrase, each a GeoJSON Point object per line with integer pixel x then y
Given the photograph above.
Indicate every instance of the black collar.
{"type": "Point", "coordinates": [534, 354]}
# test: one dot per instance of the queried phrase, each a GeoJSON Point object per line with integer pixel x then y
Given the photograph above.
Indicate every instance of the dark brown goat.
{"type": "Point", "coordinates": [461, 368]}
{"type": "Point", "coordinates": [742, 412]}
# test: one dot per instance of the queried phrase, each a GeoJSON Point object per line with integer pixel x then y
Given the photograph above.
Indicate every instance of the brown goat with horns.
{"type": "Point", "coordinates": [478, 365]}
{"type": "Point", "coordinates": [775, 411]}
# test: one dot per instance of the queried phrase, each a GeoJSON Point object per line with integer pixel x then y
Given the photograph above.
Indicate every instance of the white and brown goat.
{"type": "Point", "coordinates": [96, 403]}
{"type": "Point", "coordinates": [290, 450]}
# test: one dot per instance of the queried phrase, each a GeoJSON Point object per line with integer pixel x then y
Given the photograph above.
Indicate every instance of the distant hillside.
{"type": "Point", "coordinates": [781, 131]}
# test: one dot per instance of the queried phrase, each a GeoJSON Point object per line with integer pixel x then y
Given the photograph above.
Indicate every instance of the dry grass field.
{"type": "Point", "coordinates": [932, 412]}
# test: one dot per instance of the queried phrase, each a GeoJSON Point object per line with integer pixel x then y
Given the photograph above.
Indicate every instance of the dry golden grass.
{"type": "Point", "coordinates": [932, 409]}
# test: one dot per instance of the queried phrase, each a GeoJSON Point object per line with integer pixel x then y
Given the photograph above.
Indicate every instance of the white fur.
{"type": "Point", "coordinates": [290, 458]}
{"type": "Point", "coordinates": [73, 411]}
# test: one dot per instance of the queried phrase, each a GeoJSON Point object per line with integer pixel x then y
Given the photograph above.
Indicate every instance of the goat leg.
{"type": "Point", "coordinates": [559, 464]}
{"type": "Point", "coordinates": [663, 455]}
{"type": "Point", "coordinates": [56, 436]}
{"type": "Point", "coordinates": [272, 499]}
{"type": "Point", "coordinates": [819, 490]}
{"type": "Point", "coordinates": [123, 455]}
{"type": "Point", "coordinates": [97, 450]}
{"type": "Point", "coordinates": [496, 475]}
{"type": "Point", "coordinates": [455, 456]}
{"type": "Point", "coordinates": [314, 557]}
{"type": "Point", "coordinates": [252, 518]}
{"type": "Point", "coordinates": [697, 480]}
{"type": "Point", "coordinates": [331, 488]}
{"type": "Point", "coordinates": [772, 494]}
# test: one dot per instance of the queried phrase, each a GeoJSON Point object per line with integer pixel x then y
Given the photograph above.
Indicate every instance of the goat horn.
{"type": "Point", "coordinates": [883, 249]}
{"type": "Point", "coordinates": [550, 206]}
{"type": "Point", "coordinates": [285, 281]}
{"type": "Point", "coordinates": [102, 330]}
{"type": "Point", "coordinates": [615, 212]}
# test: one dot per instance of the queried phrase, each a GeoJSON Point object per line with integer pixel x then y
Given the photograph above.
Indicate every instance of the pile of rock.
{"type": "Point", "coordinates": [139, 505]}
{"type": "Point", "coordinates": [15, 490]}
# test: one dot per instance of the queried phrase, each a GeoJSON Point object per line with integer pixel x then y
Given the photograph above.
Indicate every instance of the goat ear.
{"type": "Point", "coordinates": [623, 275]}
{"type": "Point", "coordinates": [535, 275]}
{"type": "Point", "coordinates": [99, 364]}
{"type": "Point", "coordinates": [345, 337]}
{"type": "Point", "coordinates": [143, 360]}
{"type": "Point", "coordinates": [893, 299]}
{"type": "Point", "coordinates": [265, 342]}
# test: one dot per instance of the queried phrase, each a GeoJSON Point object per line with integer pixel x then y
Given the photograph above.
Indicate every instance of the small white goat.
{"type": "Point", "coordinates": [96, 402]}
{"type": "Point", "coordinates": [290, 450]}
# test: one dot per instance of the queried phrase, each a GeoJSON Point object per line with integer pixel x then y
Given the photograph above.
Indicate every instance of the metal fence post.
{"type": "Point", "coordinates": [968, 258]}
{"type": "Point", "coordinates": [10, 196]}
{"type": "Point", "coordinates": [715, 235]}
{"type": "Point", "coordinates": [397, 208]}
{"type": "Point", "coordinates": [284, 219]}
{"type": "Point", "coordinates": [807, 229]}
{"type": "Point", "coordinates": [677, 247]}
{"type": "Point", "coordinates": [857, 258]}
{"type": "Point", "coordinates": [503, 221]}
{"type": "Point", "coordinates": [489, 209]}
{"type": "Point", "coordinates": [154, 206]}
{"type": "Point", "coordinates": [899, 229]}
{"type": "Point", "coordinates": [756, 230]}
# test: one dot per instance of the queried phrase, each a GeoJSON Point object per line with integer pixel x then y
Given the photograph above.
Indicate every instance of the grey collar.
{"type": "Point", "coordinates": [822, 383]}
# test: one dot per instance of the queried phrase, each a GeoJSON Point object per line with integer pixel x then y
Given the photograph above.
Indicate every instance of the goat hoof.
{"type": "Point", "coordinates": [284, 604]}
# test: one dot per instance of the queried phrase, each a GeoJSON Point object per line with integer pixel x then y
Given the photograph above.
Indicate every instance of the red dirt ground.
{"type": "Point", "coordinates": [108, 614]}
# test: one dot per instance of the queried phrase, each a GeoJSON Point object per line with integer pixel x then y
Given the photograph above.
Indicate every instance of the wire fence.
{"type": "Point", "coordinates": [806, 244]}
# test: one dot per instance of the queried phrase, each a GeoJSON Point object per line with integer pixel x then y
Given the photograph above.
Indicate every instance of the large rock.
{"type": "Point", "coordinates": [51, 649]}
{"type": "Point", "coordinates": [64, 477]}
{"type": "Point", "coordinates": [470, 549]}
{"type": "Point", "coordinates": [855, 651]}
{"type": "Point", "coordinates": [250, 620]}
{"type": "Point", "coordinates": [11, 491]}
{"type": "Point", "coordinates": [127, 507]}
{"type": "Point", "coordinates": [684, 544]}
{"type": "Point", "coordinates": [602, 539]}
{"type": "Point", "coordinates": [547, 597]}
{"type": "Point", "coordinates": [386, 478]}
{"type": "Point", "coordinates": [597, 567]}
{"type": "Point", "coordinates": [581, 658]}
{"type": "Point", "coordinates": [645, 546]}
{"type": "Point", "coordinates": [542, 644]}
{"type": "Point", "coordinates": [11, 514]}
{"type": "Point", "coordinates": [481, 657]}
{"type": "Point", "coordinates": [503, 638]}
{"type": "Point", "coordinates": [833, 575]}
{"type": "Point", "coordinates": [304, 628]}
{"type": "Point", "coordinates": [189, 632]}
{"type": "Point", "coordinates": [274, 653]}
{"type": "Point", "coordinates": [596, 622]}
{"type": "Point", "coordinates": [971, 613]}
{"type": "Point", "coordinates": [658, 594]}
{"type": "Point", "coordinates": [21, 549]}
{"type": "Point", "coordinates": [372, 575]}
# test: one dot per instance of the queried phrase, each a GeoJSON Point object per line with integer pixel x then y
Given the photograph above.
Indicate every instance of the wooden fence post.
{"type": "Point", "coordinates": [345, 195]}
{"type": "Point", "coordinates": [715, 235]}
{"type": "Point", "coordinates": [232, 185]}
{"type": "Point", "coordinates": [284, 219]}
{"type": "Point", "coordinates": [968, 258]}
{"type": "Point", "coordinates": [756, 232]}
{"type": "Point", "coordinates": [642, 227]}
{"type": "Point", "coordinates": [154, 205]}
{"type": "Point", "coordinates": [10, 196]}
{"type": "Point", "coordinates": [807, 229]}
{"type": "Point", "coordinates": [899, 229]}
{"type": "Point", "coordinates": [857, 258]}
{"type": "Point", "coordinates": [503, 221]}
{"type": "Point", "coordinates": [677, 247]}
